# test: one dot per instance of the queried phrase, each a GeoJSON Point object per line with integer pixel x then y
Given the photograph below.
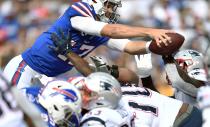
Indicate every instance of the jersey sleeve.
{"type": "Point", "coordinates": [117, 44]}
{"type": "Point", "coordinates": [81, 9]}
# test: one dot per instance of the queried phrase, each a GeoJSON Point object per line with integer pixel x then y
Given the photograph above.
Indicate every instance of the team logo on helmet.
{"type": "Point", "coordinates": [67, 93]}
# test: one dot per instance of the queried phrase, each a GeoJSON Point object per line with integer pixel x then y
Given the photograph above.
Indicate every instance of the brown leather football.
{"type": "Point", "coordinates": [177, 41]}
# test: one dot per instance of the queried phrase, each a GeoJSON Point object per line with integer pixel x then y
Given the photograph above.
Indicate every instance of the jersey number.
{"type": "Point", "coordinates": [85, 50]}
{"type": "Point", "coordinates": [145, 108]}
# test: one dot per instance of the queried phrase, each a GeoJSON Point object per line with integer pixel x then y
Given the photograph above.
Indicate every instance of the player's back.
{"type": "Point", "coordinates": [10, 114]}
{"type": "Point", "coordinates": [150, 108]}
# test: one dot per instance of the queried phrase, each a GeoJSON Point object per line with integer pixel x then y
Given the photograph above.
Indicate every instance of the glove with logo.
{"type": "Point", "coordinates": [62, 43]}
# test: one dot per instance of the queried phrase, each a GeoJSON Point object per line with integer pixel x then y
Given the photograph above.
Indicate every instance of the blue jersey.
{"type": "Point", "coordinates": [32, 93]}
{"type": "Point", "coordinates": [44, 60]}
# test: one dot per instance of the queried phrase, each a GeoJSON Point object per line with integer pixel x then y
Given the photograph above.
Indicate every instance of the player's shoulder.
{"type": "Point", "coordinates": [82, 9]}
{"type": "Point", "coordinates": [108, 116]}
{"type": "Point", "coordinates": [133, 88]}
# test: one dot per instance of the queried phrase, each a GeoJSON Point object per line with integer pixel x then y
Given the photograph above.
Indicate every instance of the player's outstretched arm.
{"type": "Point", "coordinates": [118, 31]}
{"type": "Point", "coordinates": [124, 31]}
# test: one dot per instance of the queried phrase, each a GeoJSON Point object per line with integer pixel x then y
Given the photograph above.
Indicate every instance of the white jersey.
{"type": "Point", "coordinates": [185, 97]}
{"type": "Point", "coordinates": [106, 117]}
{"type": "Point", "coordinates": [150, 108]}
{"type": "Point", "coordinates": [10, 114]}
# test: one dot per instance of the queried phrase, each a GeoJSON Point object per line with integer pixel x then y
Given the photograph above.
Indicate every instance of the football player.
{"type": "Point", "coordinates": [186, 72]}
{"type": "Point", "coordinates": [90, 24]}
{"type": "Point", "coordinates": [15, 110]}
{"type": "Point", "coordinates": [59, 103]}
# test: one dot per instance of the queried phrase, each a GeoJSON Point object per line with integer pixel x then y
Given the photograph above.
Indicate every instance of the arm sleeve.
{"type": "Point", "coordinates": [117, 44]}
{"type": "Point", "coordinates": [87, 25]}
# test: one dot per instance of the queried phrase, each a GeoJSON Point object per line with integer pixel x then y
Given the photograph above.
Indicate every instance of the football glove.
{"type": "Point", "coordinates": [62, 43]}
{"type": "Point", "coordinates": [101, 66]}
{"type": "Point", "coordinates": [144, 65]}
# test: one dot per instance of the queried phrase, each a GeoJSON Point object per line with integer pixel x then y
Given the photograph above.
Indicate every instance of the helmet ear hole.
{"type": "Point", "coordinates": [98, 103]}
{"type": "Point", "coordinates": [55, 107]}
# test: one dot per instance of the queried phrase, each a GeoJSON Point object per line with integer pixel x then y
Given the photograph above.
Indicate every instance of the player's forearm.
{"type": "Point", "coordinates": [124, 31]}
{"type": "Point", "coordinates": [80, 64]}
{"type": "Point", "coordinates": [136, 48]}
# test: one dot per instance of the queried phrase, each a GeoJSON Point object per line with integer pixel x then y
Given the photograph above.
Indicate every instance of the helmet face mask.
{"type": "Point", "coordinates": [191, 62]}
{"type": "Point", "coordinates": [109, 11]}
{"type": "Point", "coordinates": [106, 10]}
{"type": "Point", "coordinates": [71, 119]}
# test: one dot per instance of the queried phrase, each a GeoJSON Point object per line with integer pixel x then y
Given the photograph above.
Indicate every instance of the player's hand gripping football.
{"type": "Point", "coordinates": [144, 65]}
{"type": "Point", "coordinates": [160, 36]}
{"type": "Point", "coordinates": [62, 43]}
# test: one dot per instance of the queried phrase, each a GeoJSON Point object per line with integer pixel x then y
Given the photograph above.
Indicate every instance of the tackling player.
{"type": "Point", "coordinates": [186, 72]}
{"type": "Point", "coordinates": [90, 25]}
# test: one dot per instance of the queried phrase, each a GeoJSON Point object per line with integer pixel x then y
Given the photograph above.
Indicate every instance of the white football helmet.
{"type": "Point", "coordinates": [100, 9]}
{"type": "Point", "coordinates": [104, 90]}
{"type": "Point", "coordinates": [63, 102]}
{"type": "Point", "coordinates": [193, 62]}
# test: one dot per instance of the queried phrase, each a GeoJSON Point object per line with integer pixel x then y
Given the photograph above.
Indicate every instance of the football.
{"type": "Point", "coordinates": [177, 41]}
